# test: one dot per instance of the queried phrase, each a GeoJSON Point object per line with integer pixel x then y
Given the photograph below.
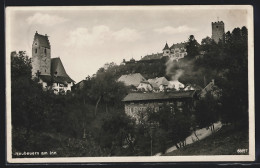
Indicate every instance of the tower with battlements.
{"type": "Point", "coordinates": [218, 31]}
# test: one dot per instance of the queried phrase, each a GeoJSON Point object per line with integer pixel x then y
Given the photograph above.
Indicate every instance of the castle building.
{"type": "Point", "coordinates": [176, 51]}
{"type": "Point", "coordinates": [218, 31]}
{"type": "Point", "coordinates": [50, 72]}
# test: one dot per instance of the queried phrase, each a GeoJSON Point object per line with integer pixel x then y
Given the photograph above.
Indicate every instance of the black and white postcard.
{"type": "Point", "coordinates": [130, 84]}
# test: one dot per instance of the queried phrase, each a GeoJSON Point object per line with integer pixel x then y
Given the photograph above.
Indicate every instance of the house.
{"type": "Point", "coordinates": [161, 83]}
{"type": "Point", "coordinates": [192, 87]}
{"type": "Point", "coordinates": [145, 86]}
{"type": "Point", "coordinates": [175, 85]}
{"type": "Point", "coordinates": [136, 103]}
{"type": "Point", "coordinates": [49, 72]}
{"type": "Point", "coordinates": [154, 86]}
{"type": "Point", "coordinates": [80, 85]}
{"type": "Point", "coordinates": [132, 79]}
{"type": "Point", "coordinates": [212, 89]}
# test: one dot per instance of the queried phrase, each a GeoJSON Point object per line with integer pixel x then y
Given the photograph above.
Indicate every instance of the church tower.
{"type": "Point", "coordinates": [218, 31]}
{"type": "Point", "coordinates": [41, 55]}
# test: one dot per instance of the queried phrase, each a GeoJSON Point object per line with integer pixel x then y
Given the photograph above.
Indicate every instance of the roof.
{"type": "Point", "coordinates": [132, 79]}
{"type": "Point", "coordinates": [153, 56]}
{"type": "Point", "coordinates": [166, 47]}
{"type": "Point", "coordinates": [178, 45]}
{"type": "Point", "coordinates": [159, 96]}
{"type": "Point", "coordinates": [45, 78]}
{"type": "Point", "coordinates": [43, 40]}
{"type": "Point", "coordinates": [58, 72]}
{"type": "Point", "coordinates": [159, 81]}
{"type": "Point", "coordinates": [154, 85]}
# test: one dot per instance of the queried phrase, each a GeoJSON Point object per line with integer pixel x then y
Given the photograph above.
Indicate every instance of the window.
{"type": "Point", "coordinates": [216, 26]}
{"type": "Point", "coordinates": [45, 51]}
{"type": "Point", "coordinates": [36, 50]}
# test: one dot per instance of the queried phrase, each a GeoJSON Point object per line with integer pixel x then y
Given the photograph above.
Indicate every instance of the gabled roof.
{"type": "Point", "coordinates": [159, 81]}
{"type": "Point", "coordinates": [132, 79]}
{"type": "Point", "coordinates": [43, 40]}
{"type": "Point", "coordinates": [159, 96]}
{"type": "Point", "coordinates": [166, 47]}
{"type": "Point", "coordinates": [178, 45]}
{"type": "Point", "coordinates": [58, 72]}
{"type": "Point", "coordinates": [154, 85]}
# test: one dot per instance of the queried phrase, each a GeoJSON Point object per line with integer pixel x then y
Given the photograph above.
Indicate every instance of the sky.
{"type": "Point", "coordinates": [86, 38]}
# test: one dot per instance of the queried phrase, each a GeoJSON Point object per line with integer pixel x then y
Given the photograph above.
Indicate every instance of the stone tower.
{"type": "Point", "coordinates": [41, 55]}
{"type": "Point", "coordinates": [218, 31]}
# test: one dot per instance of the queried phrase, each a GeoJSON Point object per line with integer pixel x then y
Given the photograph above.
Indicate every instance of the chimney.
{"type": "Point", "coordinates": [45, 34]}
{"type": "Point", "coordinates": [213, 81]}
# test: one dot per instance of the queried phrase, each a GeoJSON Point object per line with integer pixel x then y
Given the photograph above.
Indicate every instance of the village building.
{"type": "Point", "coordinates": [145, 86]}
{"type": "Point", "coordinates": [49, 72]}
{"type": "Point", "coordinates": [175, 84]}
{"type": "Point", "coordinates": [136, 103]}
{"type": "Point", "coordinates": [161, 83]}
{"type": "Point", "coordinates": [212, 89]}
{"type": "Point", "coordinates": [132, 79]}
{"type": "Point", "coordinates": [193, 87]}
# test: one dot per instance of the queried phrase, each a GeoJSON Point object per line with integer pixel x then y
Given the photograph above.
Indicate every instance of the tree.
{"type": "Point", "coordinates": [105, 87]}
{"type": "Point", "coordinates": [118, 133]}
{"type": "Point", "coordinates": [192, 47]}
{"type": "Point", "coordinates": [206, 44]}
{"type": "Point", "coordinates": [206, 111]}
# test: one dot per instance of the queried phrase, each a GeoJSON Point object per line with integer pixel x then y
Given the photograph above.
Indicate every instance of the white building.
{"type": "Point", "coordinates": [175, 85]}
{"type": "Point", "coordinates": [176, 51]}
{"type": "Point", "coordinates": [145, 86]}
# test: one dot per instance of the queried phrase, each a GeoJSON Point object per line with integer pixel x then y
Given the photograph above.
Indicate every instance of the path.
{"type": "Point", "coordinates": [201, 133]}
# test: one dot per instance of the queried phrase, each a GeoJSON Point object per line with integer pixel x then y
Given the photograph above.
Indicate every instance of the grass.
{"type": "Point", "coordinates": [224, 142]}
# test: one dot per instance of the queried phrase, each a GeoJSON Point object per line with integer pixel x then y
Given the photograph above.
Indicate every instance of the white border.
{"type": "Point", "coordinates": [250, 157]}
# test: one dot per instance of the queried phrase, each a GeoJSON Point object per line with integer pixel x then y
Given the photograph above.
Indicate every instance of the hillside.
{"type": "Point", "coordinates": [224, 142]}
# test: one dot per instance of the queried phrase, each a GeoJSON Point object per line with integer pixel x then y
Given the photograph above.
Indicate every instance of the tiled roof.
{"type": "Point", "coordinates": [43, 40]}
{"type": "Point", "coordinates": [166, 47]}
{"type": "Point", "coordinates": [153, 56]}
{"type": "Point", "coordinates": [154, 85]}
{"type": "Point", "coordinates": [58, 72]}
{"type": "Point", "coordinates": [178, 45]}
{"type": "Point", "coordinates": [159, 96]}
{"type": "Point", "coordinates": [132, 79]}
